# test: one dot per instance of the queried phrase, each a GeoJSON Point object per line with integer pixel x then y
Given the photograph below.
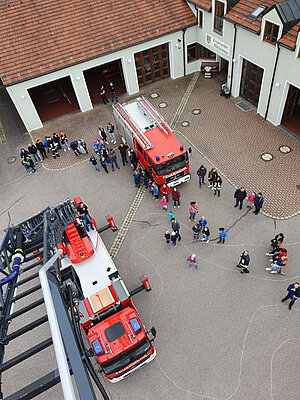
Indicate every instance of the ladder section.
{"type": "Point", "coordinates": [148, 108]}
{"type": "Point", "coordinates": [132, 126]}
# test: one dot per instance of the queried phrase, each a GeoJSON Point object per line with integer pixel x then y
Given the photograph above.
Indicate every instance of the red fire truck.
{"type": "Point", "coordinates": [158, 150]}
{"type": "Point", "coordinates": [103, 304]}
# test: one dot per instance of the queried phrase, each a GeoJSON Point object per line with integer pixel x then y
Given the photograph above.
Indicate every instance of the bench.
{"type": "Point", "coordinates": [213, 65]}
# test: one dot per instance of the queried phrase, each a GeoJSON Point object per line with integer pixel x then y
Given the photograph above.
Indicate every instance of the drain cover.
{"type": "Point", "coordinates": [154, 95]}
{"type": "Point", "coordinates": [298, 187]}
{"type": "Point", "coordinates": [11, 160]}
{"type": "Point", "coordinates": [163, 105]}
{"type": "Point", "coordinates": [185, 123]}
{"type": "Point", "coordinates": [285, 149]}
{"type": "Point", "coordinates": [267, 156]}
{"type": "Point", "coordinates": [196, 111]}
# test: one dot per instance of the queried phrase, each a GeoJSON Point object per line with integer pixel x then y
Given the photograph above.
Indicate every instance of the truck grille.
{"type": "Point", "coordinates": [174, 177]}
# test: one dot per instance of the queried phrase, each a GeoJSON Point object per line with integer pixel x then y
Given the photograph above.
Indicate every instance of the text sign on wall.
{"type": "Point", "coordinates": [217, 44]}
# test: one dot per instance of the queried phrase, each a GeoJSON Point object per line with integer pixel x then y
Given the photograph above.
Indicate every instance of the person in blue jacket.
{"type": "Point", "coordinates": [155, 190]}
{"type": "Point", "coordinates": [222, 235]}
{"type": "Point", "coordinates": [137, 178]}
{"type": "Point", "coordinates": [202, 223]}
{"type": "Point", "coordinates": [293, 294]}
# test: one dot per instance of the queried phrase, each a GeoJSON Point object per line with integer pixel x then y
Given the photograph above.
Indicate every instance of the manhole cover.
{"type": "Point", "coordinates": [298, 187]}
{"type": "Point", "coordinates": [285, 149]}
{"type": "Point", "coordinates": [185, 123]}
{"type": "Point", "coordinates": [163, 105]}
{"type": "Point", "coordinates": [196, 111]}
{"type": "Point", "coordinates": [154, 95]}
{"type": "Point", "coordinates": [267, 156]}
{"type": "Point", "coordinates": [11, 160]}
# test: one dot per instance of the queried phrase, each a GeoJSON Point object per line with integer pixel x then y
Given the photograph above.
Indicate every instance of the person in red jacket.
{"type": "Point", "coordinates": [176, 197]}
{"type": "Point", "coordinates": [165, 191]}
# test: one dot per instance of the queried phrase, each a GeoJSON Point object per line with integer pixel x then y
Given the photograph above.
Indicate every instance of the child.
{"type": "Point", "coordinates": [170, 215]}
{"type": "Point", "coordinates": [205, 234]}
{"type": "Point", "coordinates": [94, 162]}
{"type": "Point", "coordinates": [174, 236]}
{"type": "Point", "coordinates": [164, 203]}
{"type": "Point", "coordinates": [250, 199]}
{"type": "Point", "coordinates": [202, 223]}
{"type": "Point", "coordinates": [167, 236]}
{"type": "Point", "coordinates": [244, 262]}
{"type": "Point", "coordinates": [192, 261]}
{"type": "Point", "coordinates": [222, 235]}
{"type": "Point", "coordinates": [196, 230]}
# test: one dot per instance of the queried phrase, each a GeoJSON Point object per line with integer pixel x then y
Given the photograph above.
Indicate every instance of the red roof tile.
{"type": "Point", "coordinates": [205, 4]}
{"type": "Point", "coordinates": [39, 36]}
{"type": "Point", "coordinates": [241, 11]}
{"type": "Point", "coordinates": [290, 38]}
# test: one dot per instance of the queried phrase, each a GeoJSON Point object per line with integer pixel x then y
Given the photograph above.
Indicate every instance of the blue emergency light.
{"type": "Point", "coordinates": [181, 148]}
{"type": "Point", "coordinates": [98, 350]}
{"type": "Point", "coordinates": [157, 158]}
{"type": "Point", "coordinates": [135, 325]}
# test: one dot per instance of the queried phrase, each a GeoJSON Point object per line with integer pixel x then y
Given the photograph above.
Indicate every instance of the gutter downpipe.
{"type": "Point", "coordinates": [272, 81]}
{"type": "Point", "coordinates": [183, 52]}
{"type": "Point", "coordinates": [232, 63]}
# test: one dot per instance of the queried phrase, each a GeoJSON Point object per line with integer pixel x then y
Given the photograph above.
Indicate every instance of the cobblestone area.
{"type": "Point", "coordinates": [230, 139]}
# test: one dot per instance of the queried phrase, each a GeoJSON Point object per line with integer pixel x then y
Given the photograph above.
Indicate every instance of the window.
{"type": "Point", "coordinates": [200, 18]}
{"type": "Point", "coordinates": [219, 14]}
{"type": "Point", "coordinates": [195, 52]}
{"type": "Point", "coordinates": [271, 33]}
{"type": "Point", "coordinates": [257, 12]}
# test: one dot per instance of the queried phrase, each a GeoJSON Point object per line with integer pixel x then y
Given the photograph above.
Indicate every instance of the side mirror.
{"type": "Point", "coordinates": [190, 150]}
{"type": "Point", "coordinates": [153, 333]}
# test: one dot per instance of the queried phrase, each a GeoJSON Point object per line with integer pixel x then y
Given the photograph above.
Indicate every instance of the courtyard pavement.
{"type": "Point", "coordinates": [221, 335]}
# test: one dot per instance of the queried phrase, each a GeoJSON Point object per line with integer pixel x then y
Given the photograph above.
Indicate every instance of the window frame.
{"type": "Point", "coordinates": [273, 25]}
{"type": "Point", "coordinates": [218, 21]}
{"type": "Point", "coordinates": [197, 46]}
{"type": "Point", "coordinates": [200, 18]}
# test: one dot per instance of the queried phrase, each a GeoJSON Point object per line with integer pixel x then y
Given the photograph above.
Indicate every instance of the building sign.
{"type": "Point", "coordinates": [217, 44]}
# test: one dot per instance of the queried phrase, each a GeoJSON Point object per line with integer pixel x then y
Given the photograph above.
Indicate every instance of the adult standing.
{"type": "Point", "coordinates": [155, 190]}
{"type": "Point", "coordinates": [34, 152]}
{"type": "Point", "coordinates": [212, 176]}
{"type": "Point", "coordinates": [293, 294]}
{"type": "Point", "coordinates": [217, 183]}
{"type": "Point", "coordinates": [165, 191]}
{"type": "Point", "coordinates": [74, 147]}
{"type": "Point", "coordinates": [258, 202]}
{"type": "Point", "coordinates": [240, 195]}
{"type": "Point", "coordinates": [103, 163]}
{"type": "Point", "coordinates": [123, 149]}
{"type": "Point", "coordinates": [24, 153]}
{"type": "Point", "coordinates": [137, 178]}
{"type": "Point", "coordinates": [102, 134]}
{"type": "Point", "coordinates": [193, 209]}
{"type": "Point", "coordinates": [113, 159]}
{"type": "Point", "coordinates": [113, 93]}
{"type": "Point", "coordinates": [56, 140]}
{"type": "Point", "coordinates": [103, 96]}
{"type": "Point", "coordinates": [176, 197]}
{"type": "Point", "coordinates": [84, 215]}
{"type": "Point", "coordinates": [133, 159]}
{"type": "Point", "coordinates": [30, 163]}
{"type": "Point", "coordinates": [201, 173]}
{"type": "Point", "coordinates": [176, 227]}
{"type": "Point", "coordinates": [41, 148]}
{"type": "Point", "coordinates": [111, 131]}
{"type": "Point", "coordinates": [244, 261]}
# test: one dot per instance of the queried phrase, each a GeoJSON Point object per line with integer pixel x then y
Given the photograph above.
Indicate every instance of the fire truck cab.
{"type": "Point", "coordinates": [103, 304]}
{"type": "Point", "coordinates": [158, 150]}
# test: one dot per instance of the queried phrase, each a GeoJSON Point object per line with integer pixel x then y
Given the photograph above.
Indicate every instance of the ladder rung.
{"type": "Point", "coordinates": [26, 292]}
{"type": "Point", "coordinates": [26, 309]}
{"type": "Point", "coordinates": [26, 328]}
{"type": "Point", "coordinates": [28, 279]}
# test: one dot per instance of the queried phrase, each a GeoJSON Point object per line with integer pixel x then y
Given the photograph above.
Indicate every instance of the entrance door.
{"type": "Point", "coordinates": [251, 82]}
{"type": "Point", "coordinates": [291, 114]}
{"type": "Point", "coordinates": [152, 65]}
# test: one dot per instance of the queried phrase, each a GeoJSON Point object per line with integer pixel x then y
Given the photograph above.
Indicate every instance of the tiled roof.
{"type": "Point", "coordinates": [290, 38]}
{"type": "Point", "coordinates": [39, 36]}
{"type": "Point", "coordinates": [241, 11]}
{"type": "Point", "coordinates": [205, 4]}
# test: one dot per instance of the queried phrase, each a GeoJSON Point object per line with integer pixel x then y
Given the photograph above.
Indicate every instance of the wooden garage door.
{"type": "Point", "coordinates": [152, 65]}
{"type": "Point", "coordinates": [251, 82]}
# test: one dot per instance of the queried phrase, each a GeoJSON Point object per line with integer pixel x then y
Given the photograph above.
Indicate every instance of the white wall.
{"type": "Point", "coordinates": [22, 101]}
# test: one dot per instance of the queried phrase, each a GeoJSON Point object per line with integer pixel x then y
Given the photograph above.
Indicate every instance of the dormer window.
{"type": "Point", "coordinates": [271, 33]}
{"type": "Point", "coordinates": [219, 14]}
{"type": "Point", "coordinates": [257, 12]}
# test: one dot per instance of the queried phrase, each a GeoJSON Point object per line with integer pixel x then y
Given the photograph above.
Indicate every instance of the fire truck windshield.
{"type": "Point", "coordinates": [171, 165]}
{"type": "Point", "coordinates": [126, 357]}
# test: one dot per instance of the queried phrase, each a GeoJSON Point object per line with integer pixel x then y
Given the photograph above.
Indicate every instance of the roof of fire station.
{"type": "Point", "coordinates": [290, 38]}
{"type": "Point", "coordinates": [40, 36]}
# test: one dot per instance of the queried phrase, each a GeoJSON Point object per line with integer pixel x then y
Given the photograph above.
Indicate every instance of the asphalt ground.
{"type": "Point", "coordinates": [220, 335]}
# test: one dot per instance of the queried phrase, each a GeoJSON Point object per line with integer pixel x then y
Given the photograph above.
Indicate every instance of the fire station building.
{"type": "Point", "coordinates": [56, 55]}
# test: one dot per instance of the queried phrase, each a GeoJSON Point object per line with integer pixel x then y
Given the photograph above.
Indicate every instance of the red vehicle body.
{"type": "Point", "coordinates": [158, 150]}
{"type": "Point", "coordinates": [107, 313]}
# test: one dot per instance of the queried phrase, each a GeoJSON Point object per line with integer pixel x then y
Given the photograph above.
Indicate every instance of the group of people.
{"type": "Point", "coordinates": [111, 131]}
{"type": "Point", "coordinates": [106, 156]}
{"type": "Point", "coordinates": [278, 255]}
{"type": "Point", "coordinates": [214, 179]}
{"type": "Point", "coordinates": [112, 91]}
{"type": "Point", "coordinates": [256, 199]}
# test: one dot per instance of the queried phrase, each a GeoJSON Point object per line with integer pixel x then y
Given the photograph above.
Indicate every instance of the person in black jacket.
{"type": "Point", "coordinates": [33, 151]}
{"type": "Point", "coordinates": [293, 294]}
{"type": "Point", "coordinates": [123, 149]}
{"type": "Point", "coordinates": [24, 153]}
{"type": "Point", "coordinates": [103, 96]}
{"type": "Point", "coordinates": [244, 262]}
{"type": "Point", "coordinates": [113, 93]}
{"type": "Point", "coordinates": [41, 148]}
{"type": "Point", "coordinates": [258, 203]}
{"type": "Point", "coordinates": [201, 173]}
{"type": "Point", "coordinates": [240, 195]}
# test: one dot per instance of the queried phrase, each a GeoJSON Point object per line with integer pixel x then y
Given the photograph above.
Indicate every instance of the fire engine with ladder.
{"type": "Point", "coordinates": [89, 308]}
{"type": "Point", "coordinates": [157, 149]}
